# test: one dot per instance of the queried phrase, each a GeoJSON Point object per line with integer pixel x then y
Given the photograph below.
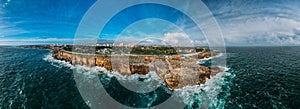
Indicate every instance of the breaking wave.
{"type": "Point", "coordinates": [207, 95]}
{"type": "Point", "coordinates": [212, 94]}
{"type": "Point", "coordinates": [57, 63]}
{"type": "Point", "coordinates": [207, 61]}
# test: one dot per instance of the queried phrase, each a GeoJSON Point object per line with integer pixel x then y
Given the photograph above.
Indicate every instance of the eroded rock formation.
{"type": "Point", "coordinates": [176, 73]}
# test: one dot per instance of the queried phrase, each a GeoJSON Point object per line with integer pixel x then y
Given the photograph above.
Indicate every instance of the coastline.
{"type": "Point", "coordinates": [213, 86]}
{"type": "Point", "coordinates": [171, 70]}
{"type": "Point", "coordinates": [176, 71]}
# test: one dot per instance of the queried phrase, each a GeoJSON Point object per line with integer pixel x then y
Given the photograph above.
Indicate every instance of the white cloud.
{"type": "Point", "coordinates": [255, 22]}
{"type": "Point", "coordinates": [264, 30]}
{"type": "Point", "coordinates": [177, 39]}
{"type": "Point", "coordinates": [8, 28]}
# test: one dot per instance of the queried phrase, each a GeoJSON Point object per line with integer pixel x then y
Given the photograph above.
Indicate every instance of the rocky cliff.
{"type": "Point", "coordinates": [176, 73]}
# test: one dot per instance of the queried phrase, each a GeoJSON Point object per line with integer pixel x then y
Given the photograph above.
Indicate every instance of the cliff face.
{"type": "Point", "coordinates": [176, 73]}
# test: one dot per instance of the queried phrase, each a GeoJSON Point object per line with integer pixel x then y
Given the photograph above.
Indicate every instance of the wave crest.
{"type": "Point", "coordinates": [203, 96]}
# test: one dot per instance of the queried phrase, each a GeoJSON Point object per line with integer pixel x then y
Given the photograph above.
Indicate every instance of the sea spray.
{"type": "Point", "coordinates": [56, 63]}
{"type": "Point", "coordinates": [203, 96]}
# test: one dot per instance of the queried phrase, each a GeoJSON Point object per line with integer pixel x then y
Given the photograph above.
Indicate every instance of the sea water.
{"type": "Point", "coordinates": [258, 77]}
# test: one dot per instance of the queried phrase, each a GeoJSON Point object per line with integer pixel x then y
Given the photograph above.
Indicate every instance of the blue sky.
{"type": "Point", "coordinates": [243, 22]}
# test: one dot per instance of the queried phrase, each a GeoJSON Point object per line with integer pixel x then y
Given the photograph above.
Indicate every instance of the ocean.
{"type": "Point", "coordinates": [258, 77]}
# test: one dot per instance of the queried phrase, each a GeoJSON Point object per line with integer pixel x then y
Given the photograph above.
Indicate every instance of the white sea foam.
{"type": "Point", "coordinates": [205, 95]}
{"type": "Point", "coordinates": [94, 70]}
{"type": "Point", "coordinates": [201, 61]}
{"type": "Point", "coordinates": [57, 63]}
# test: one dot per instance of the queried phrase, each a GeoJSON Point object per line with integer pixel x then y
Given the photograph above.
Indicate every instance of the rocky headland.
{"type": "Point", "coordinates": [176, 70]}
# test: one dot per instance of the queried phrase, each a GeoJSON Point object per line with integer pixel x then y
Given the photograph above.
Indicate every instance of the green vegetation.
{"type": "Point", "coordinates": [199, 49]}
{"type": "Point", "coordinates": [150, 50]}
{"type": "Point", "coordinates": [67, 48]}
{"type": "Point", "coordinates": [111, 50]}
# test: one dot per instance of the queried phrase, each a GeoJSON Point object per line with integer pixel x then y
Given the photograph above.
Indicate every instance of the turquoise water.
{"type": "Point", "coordinates": [260, 77]}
